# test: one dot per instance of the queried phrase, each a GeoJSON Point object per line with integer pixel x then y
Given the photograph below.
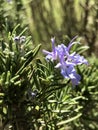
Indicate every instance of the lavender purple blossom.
{"type": "Point", "coordinates": [51, 55]}
{"type": "Point", "coordinates": [66, 60]}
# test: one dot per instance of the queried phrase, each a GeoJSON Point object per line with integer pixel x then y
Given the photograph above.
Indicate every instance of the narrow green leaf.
{"type": "Point", "coordinates": [15, 28]}
{"type": "Point", "coordinates": [69, 120]}
{"type": "Point", "coordinates": [23, 31]}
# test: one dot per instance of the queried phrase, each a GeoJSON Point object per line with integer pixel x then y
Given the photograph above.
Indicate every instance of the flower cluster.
{"type": "Point", "coordinates": [19, 39]}
{"type": "Point", "coordinates": [66, 60]}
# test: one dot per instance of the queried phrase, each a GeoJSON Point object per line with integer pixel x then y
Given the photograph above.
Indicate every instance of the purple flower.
{"type": "Point", "coordinates": [77, 59]}
{"type": "Point", "coordinates": [19, 39]}
{"type": "Point", "coordinates": [51, 55]}
{"type": "Point", "coordinates": [74, 58]}
{"type": "Point", "coordinates": [72, 43]}
{"type": "Point", "coordinates": [67, 60]}
{"type": "Point", "coordinates": [68, 71]}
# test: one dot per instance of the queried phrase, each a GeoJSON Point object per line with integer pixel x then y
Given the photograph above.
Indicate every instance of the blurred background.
{"type": "Point", "coordinates": [46, 18]}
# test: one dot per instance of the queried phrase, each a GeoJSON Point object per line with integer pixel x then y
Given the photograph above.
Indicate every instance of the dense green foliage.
{"type": "Point", "coordinates": [33, 94]}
